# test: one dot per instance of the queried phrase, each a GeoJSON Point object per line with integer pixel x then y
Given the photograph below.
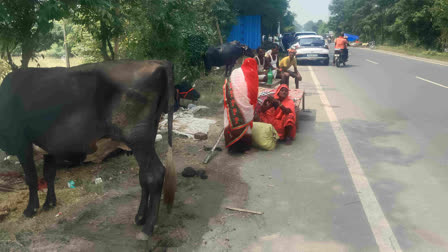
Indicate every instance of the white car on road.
{"type": "Point", "coordinates": [311, 48]}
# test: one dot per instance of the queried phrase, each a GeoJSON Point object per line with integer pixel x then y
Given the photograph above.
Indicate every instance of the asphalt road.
{"type": "Point", "coordinates": [369, 173]}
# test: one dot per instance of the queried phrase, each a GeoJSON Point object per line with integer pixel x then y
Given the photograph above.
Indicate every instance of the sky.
{"type": "Point", "coordinates": [307, 10]}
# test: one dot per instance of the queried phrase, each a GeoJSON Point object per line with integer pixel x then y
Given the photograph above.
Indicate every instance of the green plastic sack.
{"type": "Point", "coordinates": [264, 136]}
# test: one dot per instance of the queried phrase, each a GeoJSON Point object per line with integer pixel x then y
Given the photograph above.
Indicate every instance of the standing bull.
{"type": "Point", "coordinates": [226, 54]}
{"type": "Point", "coordinates": [67, 111]}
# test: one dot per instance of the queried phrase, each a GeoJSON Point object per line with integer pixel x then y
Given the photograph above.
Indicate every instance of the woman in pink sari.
{"type": "Point", "coordinates": [240, 99]}
{"type": "Point", "coordinates": [279, 110]}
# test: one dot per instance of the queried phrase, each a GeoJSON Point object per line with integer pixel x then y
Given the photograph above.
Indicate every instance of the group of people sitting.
{"type": "Point", "coordinates": [280, 68]}
{"type": "Point", "coordinates": [241, 106]}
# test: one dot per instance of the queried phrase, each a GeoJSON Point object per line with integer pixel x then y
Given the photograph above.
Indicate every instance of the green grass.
{"type": "Point", "coordinates": [210, 88]}
{"type": "Point", "coordinates": [40, 62]}
{"type": "Point", "coordinates": [415, 51]}
{"type": "Point", "coordinates": [48, 62]}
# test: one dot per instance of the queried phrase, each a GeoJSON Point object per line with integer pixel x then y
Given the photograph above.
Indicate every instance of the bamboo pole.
{"type": "Point", "coordinates": [244, 210]}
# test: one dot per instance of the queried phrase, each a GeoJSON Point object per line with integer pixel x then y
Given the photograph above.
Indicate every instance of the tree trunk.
{"type": "Point", "coordinates": [116, 47]}
{"type": "Point", "coordinates": [103, 35]}
{"type": "Point", "coordinates": [219, 31]}
{"type": "Point", "coordinates": [67, 58]}
{"type": "Point", "coordinates": [11, 63]}
{"type": "Point", "coordinates": [111, 49]}
{"type": "Point", "coordinates": [27, 53]}
{"type": "Point", "coordinates": [116, 43]}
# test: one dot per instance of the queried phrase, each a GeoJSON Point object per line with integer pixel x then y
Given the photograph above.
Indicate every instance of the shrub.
{"type": "Point", "coordinates": [5, 68]}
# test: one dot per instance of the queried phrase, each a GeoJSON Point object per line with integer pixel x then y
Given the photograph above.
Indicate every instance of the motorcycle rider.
{"type": "Point", "coordinates": [341, 43]}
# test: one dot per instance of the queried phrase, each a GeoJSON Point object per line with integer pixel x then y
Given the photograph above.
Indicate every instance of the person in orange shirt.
{"type": "Point", "coordinates": [341, 43]}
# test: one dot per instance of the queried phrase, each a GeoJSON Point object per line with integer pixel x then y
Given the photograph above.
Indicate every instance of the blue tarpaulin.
{"type": "Point", "coordinates": [351, 37]}
{"type": "Point", "coordinates": [247, 31]}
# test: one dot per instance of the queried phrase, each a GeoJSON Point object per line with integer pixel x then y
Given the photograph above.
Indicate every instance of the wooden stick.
{"type": "Point", "coordinates": [207, 158]}
{"type": "Point", "coordinates": [244, 210]}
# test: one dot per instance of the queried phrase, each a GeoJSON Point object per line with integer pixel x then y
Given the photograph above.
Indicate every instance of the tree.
{"type": "Point", "coordinates": [323, 28]}
{"type": "Point", "coordinates": [287, 22]}
{"type": "Point", "coordinates": [271, 11]}
{"type": "Point", "coordinates": [311, 26]}
{"type": "Point", "coordinates": [440, 10]}
{"type": "Point", "coordinates": [416, 22]}
{"type": "Point", "coordinates": [179, 31]}
{"type": "Point", "coordinates": [102, 19]}
{"type": "Point", "coordinates": [298, 26]}
{"type": "Point", "coordinates": [26, 24]}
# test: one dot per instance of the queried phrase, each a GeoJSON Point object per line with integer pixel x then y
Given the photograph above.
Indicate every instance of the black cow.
{"type": "Point", "coordinates": [287, 40]}
{"type": "Point", "coordinates": [65, 112]}
{"type": "Point", "coordinates": [226, 54]}
{"type": "Point", "coordinates": [184, 90]}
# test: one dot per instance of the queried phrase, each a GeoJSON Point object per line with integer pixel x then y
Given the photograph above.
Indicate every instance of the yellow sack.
{"type": "Point", "coordinates": [264, 136]}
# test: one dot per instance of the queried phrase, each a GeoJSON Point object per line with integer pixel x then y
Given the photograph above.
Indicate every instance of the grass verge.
{"type": "Point", "coordinates": [415, 51]}
{"type": "Point", "coordinates": [210, 88]}
{"type": "Point", "coordinates": [49, 62]}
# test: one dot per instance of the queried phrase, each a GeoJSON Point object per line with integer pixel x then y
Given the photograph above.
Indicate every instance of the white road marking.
{"type": "Point", "coordinates": [379, 225]}
{"type": "Point", "coordinates": [376, 63]}
{"type": "Point", "coordinates": [432, 82]}
{"type": "Point", "coordinates": [437, 62]}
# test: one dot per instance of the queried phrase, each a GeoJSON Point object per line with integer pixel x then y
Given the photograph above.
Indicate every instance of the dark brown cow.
{"type": "Point", "coordinates": [65, 112]}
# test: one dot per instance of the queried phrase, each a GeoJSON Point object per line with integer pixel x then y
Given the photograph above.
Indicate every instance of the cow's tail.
{"type": "Point", "coordinates": [169, 189]}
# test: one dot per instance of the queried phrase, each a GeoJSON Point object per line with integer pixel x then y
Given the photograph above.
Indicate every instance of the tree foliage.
{"type": "Point", "coordinates": [416, 22]}
{"type": "Point", "coordinates": [26, 24]}
{"type": "Point", "coordinates": [271, 11]}
{"type": "Point", "coordinates": [287, 23]}
{"type": "Point", "coordinates": [320, 27]}
{"type": "Point", "coordinates": [102, 19]}
{"type": "Point", "coordinates": [101, 30]}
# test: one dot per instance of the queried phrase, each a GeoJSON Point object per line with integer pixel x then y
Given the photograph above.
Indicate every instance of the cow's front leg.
{"type": "Point", "coordinates": [155, 178]}
{"type": "Point", "coordinates": [29, 169]}
{"type": "Point", "coordinates": [49, 175]}
{"type": "Point", "coordinates": [230, 68]}
{"type": "Point", "coordinates": [227, 67]}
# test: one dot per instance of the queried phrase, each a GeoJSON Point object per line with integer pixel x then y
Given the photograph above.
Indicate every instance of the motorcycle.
{"type": "Point", "coordinates": [339, 59]}
{"type": "Point", "coordinates": [372, 44]}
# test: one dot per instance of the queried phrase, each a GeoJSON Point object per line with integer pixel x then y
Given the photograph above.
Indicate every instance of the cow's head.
{"type": "Point", "coordinates": [187, 91]}
{"type": "Point", "coordinates": [247, 51]}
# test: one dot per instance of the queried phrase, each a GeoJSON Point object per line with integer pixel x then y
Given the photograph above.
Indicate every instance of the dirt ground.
{"type": "Point", "coordinates": [101, 217]}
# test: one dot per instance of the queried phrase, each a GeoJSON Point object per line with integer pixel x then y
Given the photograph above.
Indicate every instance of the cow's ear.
{"type": "Point", "coordinates": [194, 85]}
{"type": "Point", "coordinates": [245, 47]}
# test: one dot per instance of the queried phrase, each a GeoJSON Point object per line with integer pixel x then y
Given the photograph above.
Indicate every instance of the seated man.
{"type": "Point", "coordinates": [272, 60]}
{"type": "Point", "coordinates": [284, 66]}
{"type": "Point", "coordinates": [279, 111]}
{"type": "Point", "coordinates": [261, 62]}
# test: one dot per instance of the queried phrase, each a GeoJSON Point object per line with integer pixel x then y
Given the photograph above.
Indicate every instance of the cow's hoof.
{"type": "Point", "coordinates": [140, 220]}
{"type": "Point", "coordinates": [30, 212]}
{"type": "Point", "coordinates": [48, 205]}
{"type": "Point", "coordinates": [142, 236]}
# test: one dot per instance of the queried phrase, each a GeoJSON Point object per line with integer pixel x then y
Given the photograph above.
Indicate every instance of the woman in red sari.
{"type": "Point", "coordinates": [240, 99]}
{"type": "Point", "coordinates": [279, 110]}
